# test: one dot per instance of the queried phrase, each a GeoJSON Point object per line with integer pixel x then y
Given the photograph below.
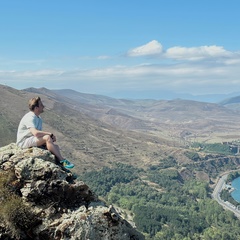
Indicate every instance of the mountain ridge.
{"type": "Point", "coordinates": [154, 159]}
{"type": "Point", "coordinates": [137, 132]}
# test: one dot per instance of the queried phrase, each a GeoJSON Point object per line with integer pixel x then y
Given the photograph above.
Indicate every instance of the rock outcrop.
{"type": "Point", "coordinates": [40, 199]}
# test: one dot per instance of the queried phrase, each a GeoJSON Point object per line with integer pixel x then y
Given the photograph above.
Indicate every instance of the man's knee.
{"type": "Point", "coordinates": [47, 138]}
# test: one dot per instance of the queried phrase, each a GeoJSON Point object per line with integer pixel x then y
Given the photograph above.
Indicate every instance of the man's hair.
{"type": "Point", "coordinates": [34, 102]}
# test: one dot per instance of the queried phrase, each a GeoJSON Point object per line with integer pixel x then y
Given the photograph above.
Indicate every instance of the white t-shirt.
{"type": "Point", "coordinates": [29, 120]}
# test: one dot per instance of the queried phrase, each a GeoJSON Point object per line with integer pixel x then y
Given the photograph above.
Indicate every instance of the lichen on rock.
{"type": "Point", "coordinates": [42, 200]}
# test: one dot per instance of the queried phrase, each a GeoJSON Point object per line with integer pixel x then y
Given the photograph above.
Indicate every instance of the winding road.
{"type": "Point", "coordinates": [216, 195]}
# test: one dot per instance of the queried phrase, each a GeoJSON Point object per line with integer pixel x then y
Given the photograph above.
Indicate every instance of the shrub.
{"type": "Point", "coordinates": [17, 217]}
{"type": "Point", "coordinates": [193, 156]}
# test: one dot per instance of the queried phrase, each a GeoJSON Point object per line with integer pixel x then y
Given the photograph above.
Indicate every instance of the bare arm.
{"type": "Point", "coordinates": [38, 133]}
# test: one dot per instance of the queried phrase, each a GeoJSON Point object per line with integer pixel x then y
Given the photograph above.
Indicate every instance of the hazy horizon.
{"type": "Point", "coordinates": [121, 48]}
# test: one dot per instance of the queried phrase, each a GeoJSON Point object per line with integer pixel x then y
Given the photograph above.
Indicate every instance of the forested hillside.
{"type": "Point", "coordinates": [163, 205]}
{"type": "Point", "coordinates": [158, 161]}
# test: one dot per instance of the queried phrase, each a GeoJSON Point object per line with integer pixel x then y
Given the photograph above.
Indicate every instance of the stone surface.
{"type": "Point", "coordinates": [66, 208]}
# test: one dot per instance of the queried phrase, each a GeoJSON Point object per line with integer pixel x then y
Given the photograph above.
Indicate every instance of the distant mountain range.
{"type": "Point", "coordinates": [169, 95]}
{"type": "Point", "coordinates": [101, 129]}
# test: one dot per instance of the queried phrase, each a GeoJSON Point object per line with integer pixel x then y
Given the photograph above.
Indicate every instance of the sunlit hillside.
{"type": "Point", "coordinates": [158, 161]}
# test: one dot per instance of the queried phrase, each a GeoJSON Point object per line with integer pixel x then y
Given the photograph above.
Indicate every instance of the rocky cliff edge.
{"type": "Point", "coordinates": [41, 200]}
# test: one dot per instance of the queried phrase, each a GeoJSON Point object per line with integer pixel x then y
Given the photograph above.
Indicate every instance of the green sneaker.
{"type": "Point", "coordinates": [66, 163]}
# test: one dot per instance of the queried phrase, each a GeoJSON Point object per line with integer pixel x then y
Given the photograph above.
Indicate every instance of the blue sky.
{"type": "Point", "coordinates": [121, 48]}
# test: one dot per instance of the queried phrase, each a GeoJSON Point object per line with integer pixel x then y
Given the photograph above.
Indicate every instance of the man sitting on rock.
{"type": "Point", "coordinates": [30, 132]}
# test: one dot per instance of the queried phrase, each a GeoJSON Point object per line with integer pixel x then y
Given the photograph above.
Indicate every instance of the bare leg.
{"type": "Point", "coordinates": [53, 148]}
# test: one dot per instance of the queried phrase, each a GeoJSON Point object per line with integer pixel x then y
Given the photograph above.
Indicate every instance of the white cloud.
{"type": "Point", "coordinates": [220, 75]}
{"type": "Point", "coordinates": [197, 78]}
{"type": "Point", "coordinates": [155, 49]}
{"type": "Point", "coordinates": [151, 48]}
{"type": "Point", "coordinates": [197, 53]}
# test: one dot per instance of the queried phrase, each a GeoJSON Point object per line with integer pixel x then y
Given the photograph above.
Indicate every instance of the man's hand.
{"type": "Point", "coordinates": [53, 137]}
